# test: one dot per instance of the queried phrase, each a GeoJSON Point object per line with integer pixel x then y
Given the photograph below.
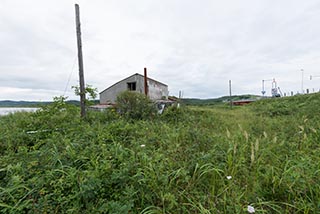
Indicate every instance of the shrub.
{"type": "Point", "coordinates": [175, 114]}
{"type": "Point", "coordinates": [135, 106]}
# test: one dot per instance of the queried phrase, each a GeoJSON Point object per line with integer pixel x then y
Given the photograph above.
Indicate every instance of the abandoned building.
{"type": "Point", "coordinates": [136, 82]}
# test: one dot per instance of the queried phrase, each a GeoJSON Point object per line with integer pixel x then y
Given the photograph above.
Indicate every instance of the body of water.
{"type": "Point", "coordinates": [5, 111]}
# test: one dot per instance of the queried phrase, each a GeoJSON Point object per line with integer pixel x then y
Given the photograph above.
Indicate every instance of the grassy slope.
{"type": "Point", "coordinates": [177, 163]}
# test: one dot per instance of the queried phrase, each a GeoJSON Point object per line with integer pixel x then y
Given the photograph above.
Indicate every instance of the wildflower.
{"type": "Point", "coordinates": [142, 145]}
{"type": "Point", "coordinates": [229, 177]}
{"type": "Point", "coordinates": [251, 209]}
{"type": "Point", "coordinates": [31, 132]}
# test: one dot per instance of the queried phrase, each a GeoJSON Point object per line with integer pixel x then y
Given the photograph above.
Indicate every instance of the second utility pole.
{"type": "Point", "coordinates": [230, 93]}
{"type": "Point", "coordinates": [80, 60]}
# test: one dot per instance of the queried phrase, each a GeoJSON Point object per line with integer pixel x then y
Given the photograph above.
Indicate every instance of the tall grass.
{"type": "Point", "coordinates": [188, 160]}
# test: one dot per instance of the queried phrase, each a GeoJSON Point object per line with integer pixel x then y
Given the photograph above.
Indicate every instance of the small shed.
{"type": "Point", "coordinates": [156, 90]}
{"type": "Point", "coordinates": [242, 102]}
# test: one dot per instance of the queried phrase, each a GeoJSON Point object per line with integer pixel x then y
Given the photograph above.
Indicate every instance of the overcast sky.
{"type": "Point", "coordinates": [192, 46]}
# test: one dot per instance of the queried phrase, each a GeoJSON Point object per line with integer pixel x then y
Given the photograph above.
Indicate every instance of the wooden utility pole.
{"type": "Point", "coordinates": [230, 93]}
{"type": "Point", "coordinates": [80, 61]}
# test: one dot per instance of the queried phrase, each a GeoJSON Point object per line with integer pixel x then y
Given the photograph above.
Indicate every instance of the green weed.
{"type": "Point", "coordinates": [188, 160]}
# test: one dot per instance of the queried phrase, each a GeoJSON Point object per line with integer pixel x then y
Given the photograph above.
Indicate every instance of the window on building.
{"type": "Point", "coordinates": [132, 86]}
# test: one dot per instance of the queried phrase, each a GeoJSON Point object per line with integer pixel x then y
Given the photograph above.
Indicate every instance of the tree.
{"type": "Point", "coordinates": [91, 93]}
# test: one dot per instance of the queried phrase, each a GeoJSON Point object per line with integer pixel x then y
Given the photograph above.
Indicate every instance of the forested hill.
{"type": "Point", "coordinates": [195, 101]}
{"type": "Point", "coordinates": [10, 103]}
{"type": "Point", "coordinates": [187, 101]}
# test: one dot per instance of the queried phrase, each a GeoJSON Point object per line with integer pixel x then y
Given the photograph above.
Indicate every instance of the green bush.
{"type": "Point", "coordinates": [136, 106]}
{"type": "Point", "coordinates": [175, 114]}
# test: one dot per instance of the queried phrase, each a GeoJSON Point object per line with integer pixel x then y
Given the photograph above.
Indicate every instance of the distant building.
{"type": "Point", "coordinates": [135, 82]}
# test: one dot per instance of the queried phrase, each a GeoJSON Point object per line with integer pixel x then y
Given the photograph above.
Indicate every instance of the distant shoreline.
{"type": "Point", "coordinates": [33, 104]}
{"type": "Point", "coordinates": [9, 110]}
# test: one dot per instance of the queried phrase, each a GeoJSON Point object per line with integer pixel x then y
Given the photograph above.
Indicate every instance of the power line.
{"type": "Point", "coordinates": [70, 75]}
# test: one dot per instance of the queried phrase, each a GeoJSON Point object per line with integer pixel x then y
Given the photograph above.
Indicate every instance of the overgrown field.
{"type": "Point", "coordinates": [188, 160]}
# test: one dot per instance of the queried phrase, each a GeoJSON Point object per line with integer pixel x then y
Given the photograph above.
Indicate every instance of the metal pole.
{"type": "Point", "coordinates": [312, 77]}
{"type": "Point", "coordinates": [230, 93]}
{"type": "Point", "coordinates": [263, 87]}
{"type": "Point", "coordinates": [302, 92]}
{"type": "Point", "coordinates": [80, 61]}
{"type": "Point", "coordinates": [263, 91]}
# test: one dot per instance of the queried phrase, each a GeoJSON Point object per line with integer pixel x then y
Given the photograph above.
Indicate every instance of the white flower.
{"type": "Point", "coordinates": [31, 132]}
{"type": "Point", "coordinates": [142, 145]}
{"type": "Point", "coordinates": [251, 209]}
{"type": "Point", "coordinates": [229, 177]}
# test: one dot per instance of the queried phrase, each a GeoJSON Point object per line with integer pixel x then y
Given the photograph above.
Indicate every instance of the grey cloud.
{"type": "Point", "coordinates": [192, 46]}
